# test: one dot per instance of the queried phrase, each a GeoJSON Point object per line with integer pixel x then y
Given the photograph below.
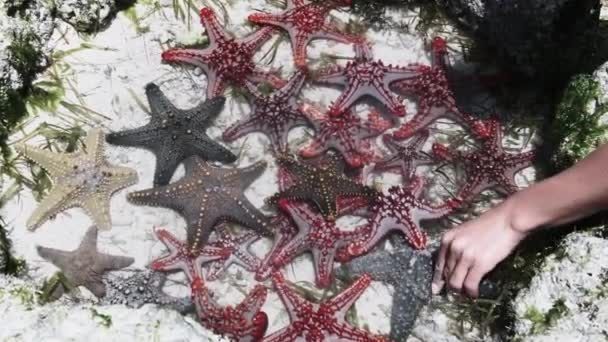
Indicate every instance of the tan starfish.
{"type": "Point", "coordinates": [81, 179]}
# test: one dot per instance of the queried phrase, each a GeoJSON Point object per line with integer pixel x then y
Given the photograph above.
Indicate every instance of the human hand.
{"type": "Point", "coordinates": [471, 250]}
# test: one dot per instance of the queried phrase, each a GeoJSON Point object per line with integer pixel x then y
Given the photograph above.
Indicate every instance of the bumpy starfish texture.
{"type": "Point", "coordinates": [304, 21]}
{"type": "Point", "coordinates": [82, 179]}
{"type": "Point", "coordinates": [323, 184]}
{"type": "Point", "coordinates": [347, 134]}
{"type": "Point", "coordinates": [274, 114]}
{"type": "Point", "coordinates": [487, 167]}
{"type": "Point", "coordinates": [237, 250]}
{"type": "Point", "coordinates": [317, 235]}
{"type": "Point", "coordinates": [226, 59]}
{"type": "Point", "coordinates": [174, 134]}
{"type": "Point", "coordinates": [409, 272]}
{"type": "Point", "coordinates": [435, 99]}
{"type": "Point", "coordinates": [313, 322]}
{"type": "Point", "coordinates": [365, 76]}
{"type": "Point", "coordinates": [207, 196]}
{"type": "Point", "coordinates": [85, 266]}
{"type": "Point", "coordinates": [401, 209]}
{"type": "Point", "coordinates": [143, 287]}
{"type": "Point", "coordinates": [405, 157]}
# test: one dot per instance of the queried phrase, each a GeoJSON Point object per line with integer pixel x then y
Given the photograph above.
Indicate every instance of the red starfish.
{"type": "Point", "coordinates": [488, 166]}
{"type": "Point", "coordinates": [366, 77]}
{"type": "Point", "coordinates": [435, 99]}
{"type": "Point", "coordinates": [406, 157]}
{"type": "Point", "coordinates": [304, 21]}
{"type": "Point", "coordinates": [317, 235]}
{"type": "Point", "coordinates": [274, 114]}
{"type": "Point", "coordinates": [346, 133]}
{"type": "Point", "coordinates": [401, 209]}
{"type": "Point", "coordinates": [226, 59]}
{"type": "Point", "coordinates": [321, 322]}
{"type": "Point", "coordinates": [238, 253]}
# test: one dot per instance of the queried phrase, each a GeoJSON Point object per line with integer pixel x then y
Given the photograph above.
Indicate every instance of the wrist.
{"type": "Point", "coordinates": [521, 215]}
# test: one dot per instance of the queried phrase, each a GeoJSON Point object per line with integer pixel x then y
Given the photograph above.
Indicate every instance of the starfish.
{"type": "Point", "coordinates": [323, 184]}
{"type": "Point", "coordinates": [174, 134]}
{"type": "Point", "coordinates": [401, 209]}
{"type": "Point", "coordinates": [325, 321]}
{"type": "Point", "coordinates": [365, 76]}
{"type": "Point", "coordinates": [226, 59]}
{"type": "Point", "coordinates": [207, 196]}
{"type": "Point", "coordinates": [143, 287]}
{"type": "Point", "coordinates": [489, 166]}
{"type": "Point", "coordinates": [406, 157]}
{"type": "Point", "coordinates": [237, 252]}
{"type": "Point", "coordinates": [82, 179]}
{"type": "Point", "coordinates": [346, 133]}
{"type": "Point", "coordinates": [435, 98]}
{"type": "Point", "coordinates": [317, 235]}
{"type": "Point", "coordinates": [274, 114]}
{"type": "Point", "coordinates": [305, 21]}
{"type": "Point", "coordinates": [409, 272]}
{"type": "Point", "coordinates": [84, 266]}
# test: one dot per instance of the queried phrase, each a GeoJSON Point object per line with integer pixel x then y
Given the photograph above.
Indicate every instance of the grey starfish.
{"type": "Point", "coordinates": [174, 134]}
{"type": "Point", "coordinates": [84, 266]}
{"type": "Point", "coordinates": [143, 287]}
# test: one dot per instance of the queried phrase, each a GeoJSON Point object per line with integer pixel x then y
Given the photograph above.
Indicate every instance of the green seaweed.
{"type": "Point", "coordinates": [542, 322]}
{"type": "Point", "coordinates": [104, 319]}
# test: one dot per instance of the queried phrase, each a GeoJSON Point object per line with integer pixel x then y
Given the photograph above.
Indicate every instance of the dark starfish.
{"type": "Point", "coordinates": [365, 76]}
{"type": "Point", "coordinates": [401, 209]}
{"type": "Point", "coordinates": [346, 134]}
{"type": "Point", "coordinates": [274, 114]}
{"type": "Point", "coordinates": [487, 167]}
{"type": "Point", "coordinates": [408, 271]}
{"type": "Point", "coordinates": [304, 21]}
{"type": "Point", "coordinates": [207, 196]}
{"type": "Point", "coordinates": [435, 98]}
{"type": "Point", "coordinates": [323, 184]}
{"type": "Point", "coordinates": [84, 266]}
{"type": "Point", "coordinates": [325, 321]}
{"type": "Point", "coordinates": [237, 252]}
{"type": "Point", "coordinates": [226, 59]}
{"type": "Point", "coordinates": [174, 134]}
{"type": "Point", "coordinates": [317, 235]}
{"type": "Point", "coordinates": [143, 287]}
{"type": "Point", "coordinates": [405, 157]}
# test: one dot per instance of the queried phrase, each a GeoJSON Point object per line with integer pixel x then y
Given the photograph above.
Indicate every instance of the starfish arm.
{"type": "Point", "coordinates": [55, 164]}
{"type": "Point", "coordinates": [416, 186]}
{"type": "Point", "coordinates": [290, 250]}
{"type": "Point", "coordinates": [384, 95]}
{"type": "Point", "coordinates": [117, 178]}
{"type": "Point", "coordinates": [94, 145]}
{"type": "Point", "coordinates": [252, 217]}
{"type": "Point", "coordinates": [206, 112]}
{"type": "Point", "coordinates": [333, 75]}
{"type": "Point", "coordinates": [256, 39]}
{"type": "Point", "coordinates": [109, 262]}
{"type": "Point", "coordinates": [288, 334]}
{"type": "Point", "coordinates": [61, 259]}
{"type": "Point", "coordinates": [323, 259]}
{"type": "Point", "coordinates": [164, 196]}
{"type": "Point", "coordinates": [252, 304]}
{"type": "Point", "coordinates": [248, 174]}
{"type": "Point", "coordinates": [145, 136]}
{"type": "Point", "coordinates": [56, 201]}
{"type": "Point", "coordinates": [243, 256]}
{"type": "Point", "coordinates": [331, 32]}
{"type": "Point", "coordinates": [216, 84]}
{"type": "Point", "coordinates": [423, 118]}
{"type": "Point", "coordinates": [293, 303]}
{"type": "Point", "coordinates": [208, 149]}
{"type": "Point", "coordinates": [519, 161]}
{"type": "Point", "coordinates": [291, 4]}
{"type": "Point", "coordinates": [343, 301]}
{"type": "Point", "coordinates": [313, 149]}
{"type": "Point", "coordinates": [267, 19]}
{"type": "Point", "coordinates": [214, 30]}
{"type": "Point", "coordinates": [242, 128]}
{"type": "Point", "coordinates": [293, 86]}
{"type": "Point", "coordinates": [167, 161]}
{"type": "Point", "coordinates": [404, 313]}
{"type": "Point", "coordinates": [351, 94]}
{"type": "Point", "coordinates": [394, 162]}
{"type": "Point", "coordinates": [284, 231]}
{"type": "Point", "coordinates": [299, 45]}
{"type": "Point", "coordinates": [97, 206]}
{"type": "Point", "coordinates": [196, 57]}
{"type": "Point", "coordinates": [397, 73]}
{"type": "Point", "coordinates": [97, 288]}
{"type": "Point", "coordinates": [261, 76]}
{"type": "Point", "coordinates": [377, 265]}
{"type": "Point", "coordinates": [160, 106]}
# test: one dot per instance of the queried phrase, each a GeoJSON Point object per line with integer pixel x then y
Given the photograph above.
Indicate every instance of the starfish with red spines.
{"type": "Point", "coordinates": [489, 166]}
{"type": "Point", "coordinates": [318, 322]}
{"type": "Point", "coordinates": [435, 99]}
{"type": "Point", "coordinates": [238, 252]}
{"type": "Point", "coordinates": [347, 134]}
{"type": "Point", "coordinates": [363, 77]}
{"type": "Point", "coordinates": [401, 209]}
{"type": "Point", "coordinates": [274, 114]}
{"type": "Point", "coordinates": [405, 157]}
{"type": "Point", "coordinates": [305, 21]}
{"type": "Point", "coordinates": [226, 59]}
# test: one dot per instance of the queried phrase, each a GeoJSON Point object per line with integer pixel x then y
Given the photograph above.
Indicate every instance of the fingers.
{"type": "Point", "coordinates": [471, 283]}
{"type": "Point", "coordinates": [438, 282]}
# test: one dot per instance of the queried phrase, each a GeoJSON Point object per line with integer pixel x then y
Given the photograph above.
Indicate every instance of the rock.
{"type": "Point", "coordinates": [568, 299]}
{"type": "Point", "coordinates": [89, 15]}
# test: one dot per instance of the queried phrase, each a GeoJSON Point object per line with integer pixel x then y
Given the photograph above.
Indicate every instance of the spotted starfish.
{"type": "Point", "coordinates": [237, 252]}
{"type": "Point", "coordinates": [174, 134]}
{"type": "Point", "coordinates": [226, 59]}
{"type": "Point", "coordinates": [143, 287]}
{"type": "Point", "coordinates": [312, 322]}
{"type": "Point", "coordinates": [401, 209]}
{"type": "Point", "coordinates": [365, 76]}
{"type": "Point", "coordinates": [406, 157]}
{"type": "Point", "coordinates": [409, 272]}
{"type": "Point", "coordinates": [305, 21]}
{"type": "Point", "coordinates": [346, 133]}
{"type": "Point", "coordinates": [435, 98]}
{"type": "Point", "coordinates": [82, 179]}
{"type": "Point", "coordinates": [487, 167]}
{"type": "Point", "coordinates": [317, 235]}
{"type": "Point", "coordinates": [206, 196]}
{"type": "Point", "coordinates": [323, 184]}
{"type": "Point", "coordinates": [274, 114]}
{"type": "Point", "coordinates": [84, 266]}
